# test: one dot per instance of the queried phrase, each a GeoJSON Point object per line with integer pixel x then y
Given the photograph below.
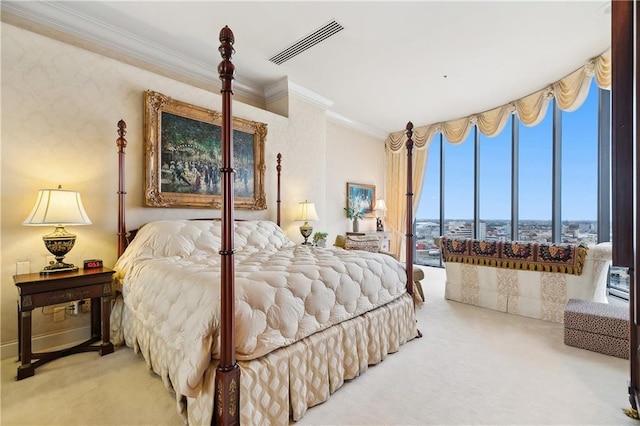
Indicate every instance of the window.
{"type": "Point", "coordinates": [495, 186]}
{"type": "Point", "coordinates": [535, 175]}
{"type": "Point", "coordinates": [459, 187]}
{"type": "Point", "coordinates": [582, 208]}
{"type": "Point", "coordinates": [427, 227]}
{"type": "Point", "coordinates": [580, 171]}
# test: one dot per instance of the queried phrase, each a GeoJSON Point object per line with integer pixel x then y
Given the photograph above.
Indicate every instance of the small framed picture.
{"type": "Point", "coordinates": [361, 197]}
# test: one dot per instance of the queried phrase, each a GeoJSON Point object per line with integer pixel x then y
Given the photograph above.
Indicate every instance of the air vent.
{"type": "Point", "coordinates": [307, 42]}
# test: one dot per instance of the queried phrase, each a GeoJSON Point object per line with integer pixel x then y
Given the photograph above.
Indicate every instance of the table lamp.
{"type": "Point", "coordinates": [306, 212]}
{"type": "Point", "coordinates": [380, 208]}
{"type": "Point", "coordinates": [58, 207]}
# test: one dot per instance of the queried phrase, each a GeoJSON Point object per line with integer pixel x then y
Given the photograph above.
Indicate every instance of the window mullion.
{"type": "Point", "coordinates": [476, 182]}
{"type": "Point", "coordinates": [604, 165]}
{"type": "Point", "coordinates": [515, 143]}
{"type": "Point", "coordinates": [556, 180]}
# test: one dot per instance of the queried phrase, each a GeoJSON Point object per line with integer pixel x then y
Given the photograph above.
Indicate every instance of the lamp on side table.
{"type": "Point", "coordinates": [58, 208]}
{"type": "Point", "coordinates": [306, 212]}
{"type": "Point", "coordinates": [380, 209]}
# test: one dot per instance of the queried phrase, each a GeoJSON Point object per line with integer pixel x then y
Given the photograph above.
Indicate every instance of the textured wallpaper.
{"type": "Point", "coordinates": [60, 106]}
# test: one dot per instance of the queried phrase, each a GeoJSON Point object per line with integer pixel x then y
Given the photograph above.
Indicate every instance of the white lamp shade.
{"type": "Point", "coordinates": [380, 205]}
{"type": "Point", "coordinates": [57, 207]}
{"type": "Point", "coordinates": [306, 211]}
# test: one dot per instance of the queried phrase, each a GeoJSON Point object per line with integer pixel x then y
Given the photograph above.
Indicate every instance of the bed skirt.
{"type": "Point", "coordinates": [283, 384]}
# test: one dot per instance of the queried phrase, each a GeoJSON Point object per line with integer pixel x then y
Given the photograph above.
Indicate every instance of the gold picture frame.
{"type": "Point", "coordinates": [361, 197]}
{"type": "Point", "coordinates": [182, 156]}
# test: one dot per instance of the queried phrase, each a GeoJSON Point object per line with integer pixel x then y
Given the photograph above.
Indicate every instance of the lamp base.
{"type": "Point", "coordinates": [59, 243]}
{"type": "Point", "coordinates": [306, 231]}
{"type": "Point", "coordinates": [59, 267]}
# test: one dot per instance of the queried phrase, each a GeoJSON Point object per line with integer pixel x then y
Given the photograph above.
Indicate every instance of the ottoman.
{"type": "Point", "coordinates": [597, 327]}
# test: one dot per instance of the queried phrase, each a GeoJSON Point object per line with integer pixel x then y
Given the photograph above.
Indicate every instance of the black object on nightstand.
{"type": "Point", "coordinates": [92, 263]}
{"type": "Point", "coordinates": [43, 290]}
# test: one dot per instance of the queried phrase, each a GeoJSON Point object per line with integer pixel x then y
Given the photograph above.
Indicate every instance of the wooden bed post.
{"type": "Point", "coordinates": [226, 403]}
{"type": "Point", "coordinates": [278, 169]}
{"type": "Point", "coordinates": [624, 166]}
{"type": "Point", "coordinates": [121, 142]}
{"type": "Point", "coordinates": [409, 233]}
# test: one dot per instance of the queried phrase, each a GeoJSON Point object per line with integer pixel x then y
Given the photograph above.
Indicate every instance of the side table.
{"type": "Point", "coordinates": [385, 239]}
{"type": "Point", "coordinates": [37, 291]}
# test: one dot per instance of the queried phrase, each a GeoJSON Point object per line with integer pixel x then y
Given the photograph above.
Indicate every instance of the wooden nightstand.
{"type": "Point", "coordinates": [43, 290]}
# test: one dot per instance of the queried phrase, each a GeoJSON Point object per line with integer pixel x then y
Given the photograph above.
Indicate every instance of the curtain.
{"type": "Point", "coordinates": [396, 192]}
{"type": "Point", "coordinates": [569, 93]}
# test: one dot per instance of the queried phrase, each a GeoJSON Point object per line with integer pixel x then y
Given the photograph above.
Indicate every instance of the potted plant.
{"type": "Point", "coordinates": [355, 216]}
{"type": "Point", "coordinates": [320, 239]}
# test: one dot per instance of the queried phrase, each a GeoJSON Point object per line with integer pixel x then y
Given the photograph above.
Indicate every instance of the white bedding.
{"type": "Point", "coordinates": [170, 277]}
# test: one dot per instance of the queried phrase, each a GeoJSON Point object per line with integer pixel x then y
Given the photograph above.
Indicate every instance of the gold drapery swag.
{"type": "Point", "coordinates": [569, 93]}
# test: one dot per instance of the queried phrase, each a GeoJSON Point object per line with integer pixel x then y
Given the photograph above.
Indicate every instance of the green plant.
{"type": "Point", "coordinates": [353, 213]}
{"type": "Point", "coordinates": [320, 236]}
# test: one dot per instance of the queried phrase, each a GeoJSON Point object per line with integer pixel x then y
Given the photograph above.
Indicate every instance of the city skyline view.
{"type": "Point", "coordinates": [577, 170]}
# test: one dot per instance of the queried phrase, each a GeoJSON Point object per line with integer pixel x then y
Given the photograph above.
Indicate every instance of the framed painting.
{"type": "Point", "coordinates": [361, 197]}
{"type": "Point", "coordinates": [183, 156]}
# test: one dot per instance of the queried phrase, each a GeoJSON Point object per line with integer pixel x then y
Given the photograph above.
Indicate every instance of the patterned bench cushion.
{"type": "Point", "coordinates": [523, 255]}
{"type": "Point", "coordinates": [597, 343]}
{"type": "Point", "coordinates": [598, 327]}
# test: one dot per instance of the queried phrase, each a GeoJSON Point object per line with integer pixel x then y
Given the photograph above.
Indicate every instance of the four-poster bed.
{"type": "Point", "coordinates": [287, 324]}
{"type": "Point", "coordinates": [624, 159]}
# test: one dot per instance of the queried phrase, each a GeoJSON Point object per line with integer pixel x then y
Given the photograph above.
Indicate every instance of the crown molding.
{"type": "Point", "coordinates": [93, 32]}
{"type": "Point", "coordinates": [285, 87]}
{"type": "Point", "coordinates": [59, 17]}
{"type": "Point", "coordinates": [276, 90]}
{"type": "Point", "coordinates": [363, 128]}
{"type": "Point", "coordinates": [309, 95]}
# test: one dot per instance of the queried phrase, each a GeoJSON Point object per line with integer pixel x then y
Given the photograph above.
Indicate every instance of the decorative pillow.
{"type": "Point", "coordinates": [340, 241]}
{"type": "Point", "coordinates": [371, 244]}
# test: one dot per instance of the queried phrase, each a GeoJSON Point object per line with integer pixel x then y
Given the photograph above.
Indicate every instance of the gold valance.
{"type": "Point", "coordinates": [569, 92]}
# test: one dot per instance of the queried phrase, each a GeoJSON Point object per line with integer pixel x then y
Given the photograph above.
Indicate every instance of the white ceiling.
{"type": "Point", "coordinates": [386, 67]}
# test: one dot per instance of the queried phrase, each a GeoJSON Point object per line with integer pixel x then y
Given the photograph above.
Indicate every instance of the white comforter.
{"type": "Point", "coordinates": [170, 277]}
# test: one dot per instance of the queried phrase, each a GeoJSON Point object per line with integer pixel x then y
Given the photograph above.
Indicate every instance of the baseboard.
{"type": "Point", "coordinates": [48, 342]}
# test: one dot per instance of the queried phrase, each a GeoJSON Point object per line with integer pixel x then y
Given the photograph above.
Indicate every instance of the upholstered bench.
{"type": "Point", "coordinates": [597, 327]}
{"type": "Point", "coordinates": [527, 278]}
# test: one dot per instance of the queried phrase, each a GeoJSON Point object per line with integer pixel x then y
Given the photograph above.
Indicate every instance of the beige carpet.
{"type": "Point", "coordinates": [473, 366]}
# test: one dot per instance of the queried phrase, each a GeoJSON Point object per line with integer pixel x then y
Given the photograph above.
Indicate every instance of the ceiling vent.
{"type": "Point", "coordinates": [307, 42]}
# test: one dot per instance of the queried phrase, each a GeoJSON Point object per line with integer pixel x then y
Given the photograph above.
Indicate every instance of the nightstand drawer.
{"type": "Point", "coordinates": [61, 296]}
{"type": "Point", "coordinates": [385, 239]}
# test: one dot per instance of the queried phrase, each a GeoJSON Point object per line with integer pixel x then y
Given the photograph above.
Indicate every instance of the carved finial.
{"type": "Point", "coordinates": [121, 142]}
{"type": "Point", "coordinates": [226, 69]}
{"type": "Point", "coordinates": [227, 34]}
{"type": "Point", "coordinates": [409, 134]}
{"type": "Point", "coordinates": [278, 161]}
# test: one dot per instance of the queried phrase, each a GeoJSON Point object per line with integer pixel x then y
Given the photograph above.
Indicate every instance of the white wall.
{"type": "Point", "coordinates": [60, 106]}
{"type": "Point", "coordinates": [354, 158]}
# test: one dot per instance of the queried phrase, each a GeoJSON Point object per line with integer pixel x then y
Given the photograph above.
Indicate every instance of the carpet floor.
{"type": "Point", "coordinates": [473, 366]}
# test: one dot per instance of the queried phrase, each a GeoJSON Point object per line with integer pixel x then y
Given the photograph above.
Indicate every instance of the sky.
{"type": "Point", "coordinates": [579, 171]}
